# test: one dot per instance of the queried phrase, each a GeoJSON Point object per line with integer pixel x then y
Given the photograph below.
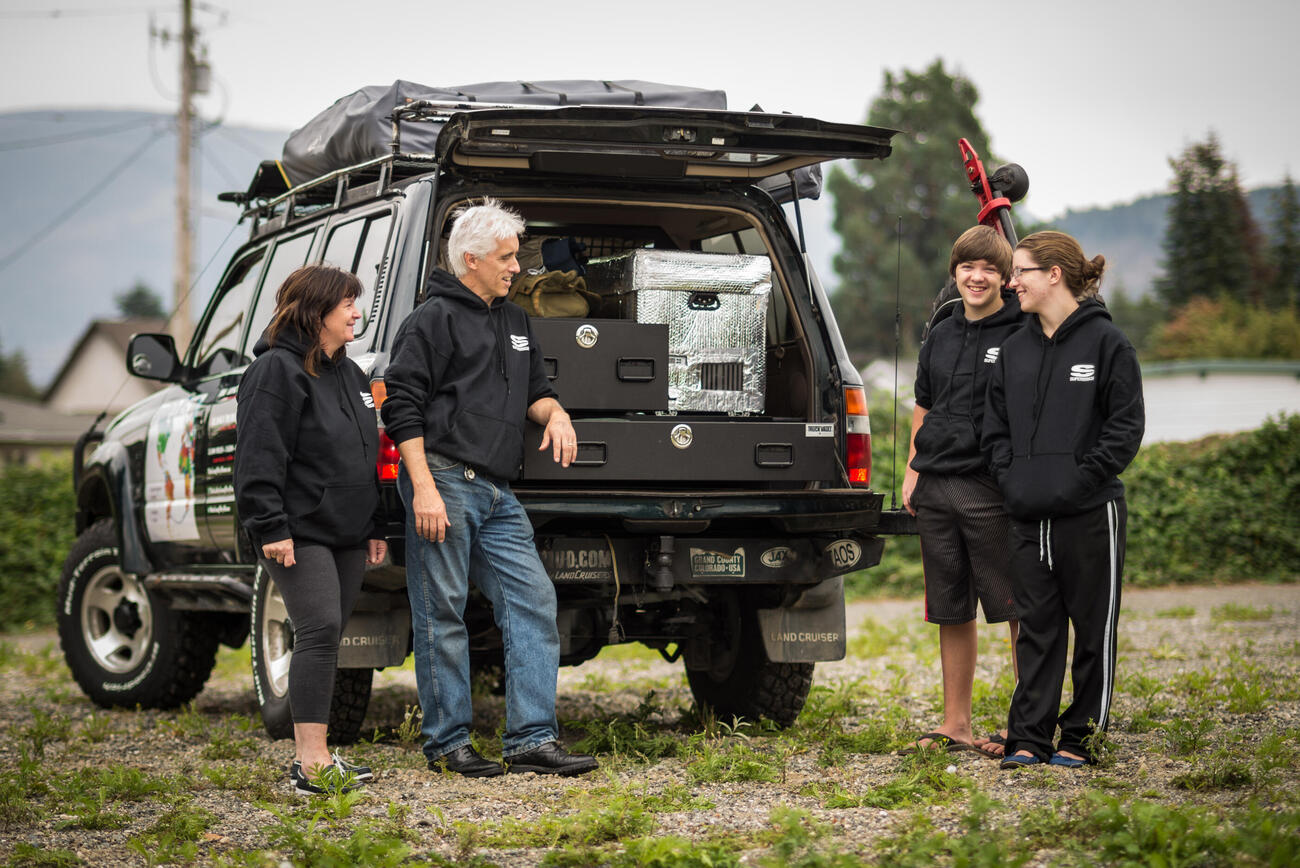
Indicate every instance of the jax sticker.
{"type": "Point", "coordinates": [777, 557]}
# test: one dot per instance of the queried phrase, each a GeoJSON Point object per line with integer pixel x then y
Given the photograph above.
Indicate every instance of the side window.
{"type": "Point", "coordinates": [745, 241]}
{"type": "Point", "coordinates": [217, 346]}
{"type": "Point", "coordinates": [289, 255]}
{"type": "Point", "coordinates": [358, 246]}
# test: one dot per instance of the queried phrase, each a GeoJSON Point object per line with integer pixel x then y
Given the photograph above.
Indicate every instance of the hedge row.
{"type": "Point", "coordinates": [1222, 509]}
{"type": "Point", "coordinates": [36, 531]}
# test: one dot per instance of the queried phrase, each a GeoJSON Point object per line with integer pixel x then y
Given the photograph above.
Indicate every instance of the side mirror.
{"type": "Point", "coordinates": [153, 357]}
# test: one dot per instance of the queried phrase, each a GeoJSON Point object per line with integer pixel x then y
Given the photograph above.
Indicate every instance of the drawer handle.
{"type": "Point", "coordinates": [636, 370]}
{"type": "Point", "coordinates": [774, 455]}
{"type": "Point", "coordinates": [591, 453]}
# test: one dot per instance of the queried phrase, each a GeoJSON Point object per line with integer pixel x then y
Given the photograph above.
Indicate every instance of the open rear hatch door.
{"type": "Point", "coordinates": [651, 143]}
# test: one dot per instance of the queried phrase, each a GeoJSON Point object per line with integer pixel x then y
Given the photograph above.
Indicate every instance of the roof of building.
{"type": "Point", "coordinates": [118, 332]}
{"type": "Point", "coordinates": [27, 422]}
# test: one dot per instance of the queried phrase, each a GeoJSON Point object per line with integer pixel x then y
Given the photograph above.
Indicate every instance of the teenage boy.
{"type": "Point", "coordinates": [958, 507]}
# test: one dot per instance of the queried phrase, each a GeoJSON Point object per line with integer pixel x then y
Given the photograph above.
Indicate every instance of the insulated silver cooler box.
{"type": "Point", "coordinates": [715, 307]}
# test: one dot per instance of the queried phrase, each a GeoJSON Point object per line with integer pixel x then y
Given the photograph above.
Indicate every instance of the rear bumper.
{"type": "Point", "coordinates": [798, 511]}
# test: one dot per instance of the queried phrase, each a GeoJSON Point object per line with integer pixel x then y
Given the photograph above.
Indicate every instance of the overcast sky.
{"type": "Point", "coordinates": [1091, 101]}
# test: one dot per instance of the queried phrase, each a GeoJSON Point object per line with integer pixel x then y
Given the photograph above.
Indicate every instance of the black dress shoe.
{"type": "Point", "coordinates": [551, 759]}
{"type": "Point", "coordinates": [466, 761]}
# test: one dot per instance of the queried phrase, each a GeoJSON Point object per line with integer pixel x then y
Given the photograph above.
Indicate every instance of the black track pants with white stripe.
{"type": "Point", "coordinates": [1065, 571]}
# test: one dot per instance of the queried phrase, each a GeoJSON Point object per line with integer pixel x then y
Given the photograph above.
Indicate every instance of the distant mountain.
{"type": "Point", "coordinates": [1131, 236]}
{"type": "Point", "coordinates": [88, 211]}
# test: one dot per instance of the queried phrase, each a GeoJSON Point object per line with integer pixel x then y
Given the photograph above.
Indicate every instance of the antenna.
{"type": "Point", "coordinates": [898, 329]}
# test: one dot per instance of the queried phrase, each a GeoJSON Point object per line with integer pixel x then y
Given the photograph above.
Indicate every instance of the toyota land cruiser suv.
{"type": "Point", "coordinates": [721, 488]}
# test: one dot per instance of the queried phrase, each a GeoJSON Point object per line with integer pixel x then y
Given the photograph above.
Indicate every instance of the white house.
{"type": "Point", "coordinates": [94, 376]}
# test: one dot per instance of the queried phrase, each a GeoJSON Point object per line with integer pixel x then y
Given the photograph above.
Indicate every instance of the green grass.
{"type": "Point", "coordinates": [621, 817]}
{"type": "Point", "coordinates": [1239, 612]}
{"type": "Point", "coordinates": [1181, 612]}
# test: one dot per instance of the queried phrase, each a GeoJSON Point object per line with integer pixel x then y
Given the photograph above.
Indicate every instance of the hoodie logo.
{"type": "Point", "coordinates": [1083, 373]}
{"type": "Point", "coordinates": [519, 342]}
{"type": "Point", "coordinates": [368, 400]}
{"type": "Point", "coordinates": [991, 355]}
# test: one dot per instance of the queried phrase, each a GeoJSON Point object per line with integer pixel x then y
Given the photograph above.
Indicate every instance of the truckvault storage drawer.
{"type": "Point", "coordinates": [676, 448]}
{"type": "Point", "coordinates": [605, 364]}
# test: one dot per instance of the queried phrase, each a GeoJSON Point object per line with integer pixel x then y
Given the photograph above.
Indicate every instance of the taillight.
{"type": "Point", "coordinates": [386, 466]}
{"type": "Point", "coordinates": [857, 437]}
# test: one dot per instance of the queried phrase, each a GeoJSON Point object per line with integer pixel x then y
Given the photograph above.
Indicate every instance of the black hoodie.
{"type": "Point", "coordinates": [305, 462]}
{"type": "Point", "coordinates": [463, 375]}
{"type": "Point", "coordinates": [951, 379]}
{"type": "Point", "coordinates": [1064, 415]}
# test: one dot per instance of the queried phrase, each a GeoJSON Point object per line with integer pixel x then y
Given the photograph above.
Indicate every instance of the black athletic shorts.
{"type": "Point", "coordinates": [965, 548]}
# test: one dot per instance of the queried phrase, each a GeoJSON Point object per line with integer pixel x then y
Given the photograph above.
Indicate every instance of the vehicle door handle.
{"type": "Point", "coordinates": [635, 370]}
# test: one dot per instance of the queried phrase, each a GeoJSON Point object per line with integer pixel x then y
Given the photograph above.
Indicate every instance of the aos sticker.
{"type": "Point", "coordinates": [844, 553]}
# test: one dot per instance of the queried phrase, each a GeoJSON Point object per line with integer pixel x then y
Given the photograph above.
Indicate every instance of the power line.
{"type": "Point", "coordinates": [80, 13]}
{"type": "Point", "coordinates": [61, 138]}
{"type": "Point", "coordinates": [27, 245]}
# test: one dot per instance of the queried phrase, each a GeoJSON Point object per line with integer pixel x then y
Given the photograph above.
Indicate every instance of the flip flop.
{"type": "Point", "coordinates": [938, 741]}
{"type": "Point", "coordinates": [992, 738]}
{"type": "Point", "coordinates": [1069, 762]}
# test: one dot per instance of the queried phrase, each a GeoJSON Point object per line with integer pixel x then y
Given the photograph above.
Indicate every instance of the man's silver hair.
{"type": "Point", "coordinates": [478, 229]}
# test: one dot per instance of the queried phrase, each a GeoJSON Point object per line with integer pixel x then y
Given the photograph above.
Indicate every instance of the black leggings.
{"type": "Point", "coordinates": [319, 591]}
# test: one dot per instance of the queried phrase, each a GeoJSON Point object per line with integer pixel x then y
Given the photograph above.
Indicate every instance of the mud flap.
{"type": "Point", "coordinates": [375, 640]}
{"type": "Point", "coordinates": [809, 631]}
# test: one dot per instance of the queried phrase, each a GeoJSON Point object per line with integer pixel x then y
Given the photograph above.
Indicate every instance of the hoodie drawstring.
{"type": "Point", "coordinates": [1045, 347]}
{"type": "Point", "coordinates": [501, 353]}
{"type": "Point", "coordinates": [1045, 542]}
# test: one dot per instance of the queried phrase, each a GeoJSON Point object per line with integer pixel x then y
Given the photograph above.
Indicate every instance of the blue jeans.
{"type": "Point", "coordinates": [490, 541]}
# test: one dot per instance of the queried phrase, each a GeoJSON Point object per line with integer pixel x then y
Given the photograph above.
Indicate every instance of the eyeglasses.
{"type": "Point", "coordinates": [1017, 272]}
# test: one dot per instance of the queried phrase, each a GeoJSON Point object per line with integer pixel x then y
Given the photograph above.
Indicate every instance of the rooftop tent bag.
{"type": "Point", "coordinates": [358, 127]}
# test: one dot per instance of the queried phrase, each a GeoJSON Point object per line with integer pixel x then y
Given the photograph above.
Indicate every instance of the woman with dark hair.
{"type": "Point", "coordinates": [306, 489]}
{"type": "Point", "coordinates": [1064, 417]}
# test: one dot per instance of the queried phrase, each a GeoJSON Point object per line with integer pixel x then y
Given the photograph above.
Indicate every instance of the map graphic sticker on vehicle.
{"type": "Point", "coordinates": [169, 472]}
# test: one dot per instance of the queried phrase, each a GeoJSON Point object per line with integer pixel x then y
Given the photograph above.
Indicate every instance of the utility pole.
{"type": "Point", "coordinates": [182, 324]}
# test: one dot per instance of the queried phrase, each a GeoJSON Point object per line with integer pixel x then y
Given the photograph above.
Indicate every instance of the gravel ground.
{"type": "Point", "coordinates": [1165, 634]}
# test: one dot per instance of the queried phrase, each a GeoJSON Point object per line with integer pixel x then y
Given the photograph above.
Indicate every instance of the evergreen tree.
{"type": "Point", "coordinates": [139, 301]}
{"type": "Point", "coordinates": [922, 182]}
{"type": "Point", "coordinates": [1213, 247]}
{"type": "Point", "coordinates": [1285, 290]}
{"type": "Point", "coordinates": [14, 377]}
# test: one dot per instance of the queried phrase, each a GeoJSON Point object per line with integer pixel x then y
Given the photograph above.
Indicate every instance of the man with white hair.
{"type": "Point", "coordinates": [465, 374]}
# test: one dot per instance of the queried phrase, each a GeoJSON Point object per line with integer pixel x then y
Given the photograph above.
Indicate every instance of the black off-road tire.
{"type": "Point", "coordinates": [271, 638]}
{"type": "Point", "coordinates": [746, 685]}
{"type": "Point", "coordinates": [124, 646]}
